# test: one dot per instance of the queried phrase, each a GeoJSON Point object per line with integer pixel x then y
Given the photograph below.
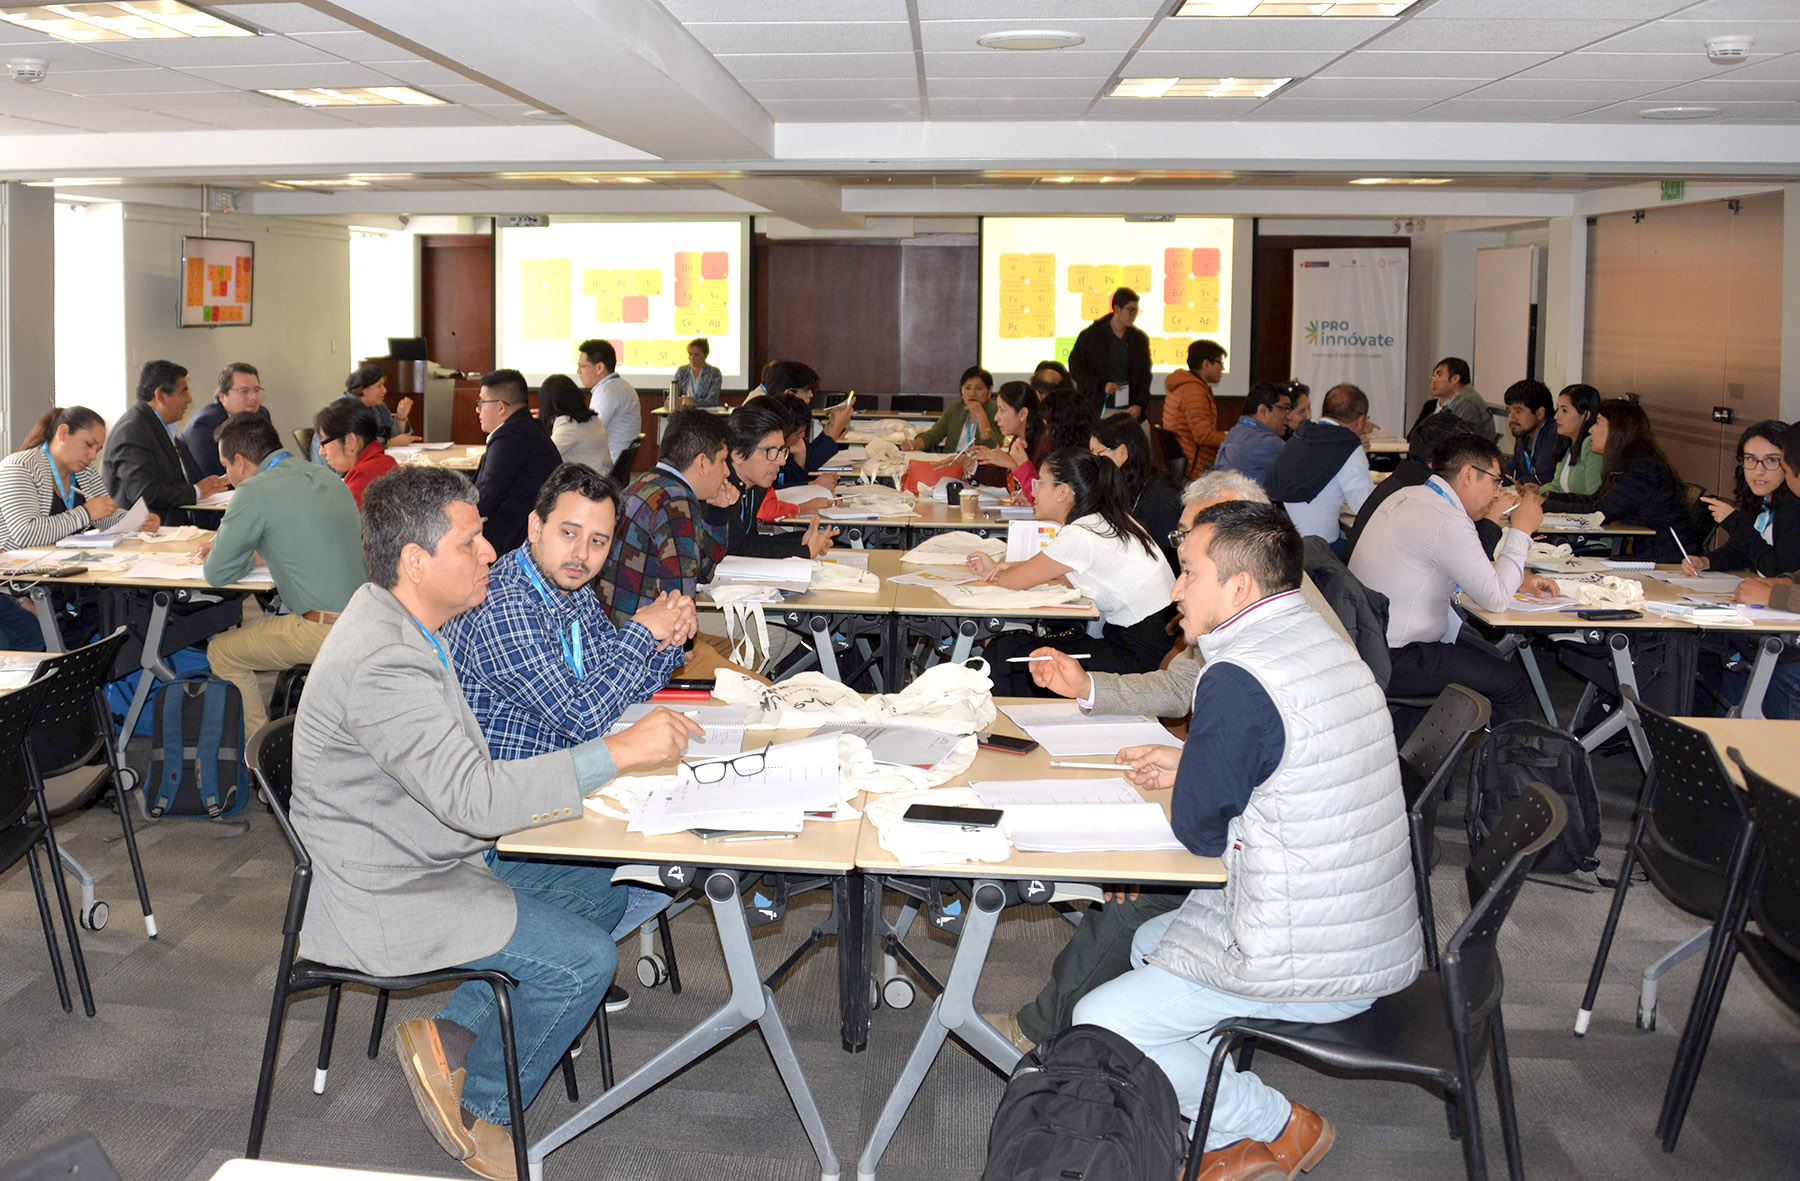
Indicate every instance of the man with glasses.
{"type": "Point", "coordinates": [1254, 440]}
{"type": "Point", "coordinates": [613, 398]}
{"type": "Point", "coordinates": [1420, 549]}
{"type": "Point", "coordinates": [519, 458]}
{"type": "Point", "coordinates": [240, 392]}
{"type": "Point", "coordinates": [758, 451]}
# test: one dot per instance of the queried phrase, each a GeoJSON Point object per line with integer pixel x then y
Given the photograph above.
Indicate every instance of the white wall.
{"type": "Point", "coordinates": [27, 324]}
{"type": "Point", "coordinates": [90, 306]}
{"type": "Point", "coordinates": [299, 337]}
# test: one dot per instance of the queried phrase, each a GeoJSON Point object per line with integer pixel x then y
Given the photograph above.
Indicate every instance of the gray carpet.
{"type": "Point", "coordinates": [164, 1074]}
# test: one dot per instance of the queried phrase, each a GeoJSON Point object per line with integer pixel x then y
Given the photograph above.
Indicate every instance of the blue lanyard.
{"type": "Point", "coordinates": [1444, 494]}
{"type": "Point", "coordinates": [274, 458]}
{"type": "Point", "coordinates": [1763, 520]}
{"type": "Point", "coordinates": [67, 489]}
{"type": "Point", "coordinates": [443, 657]}
{"type": "Point", "coordinates": [571, 643]}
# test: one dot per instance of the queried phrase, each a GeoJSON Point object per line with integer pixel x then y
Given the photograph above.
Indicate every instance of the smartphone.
{"type": "Point", "coordinates": [1609, 613]}
{"type": "Point", "coordinates": [1012, 746]}
{"type": "Point", "coordinates": [692, 683]}
{"type": "Point", "coordinates": [956, 817]}
{"type": "Point", "coordinates": [850, 400]}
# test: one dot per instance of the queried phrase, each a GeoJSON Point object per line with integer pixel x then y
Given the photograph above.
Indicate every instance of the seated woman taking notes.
{"type": "Point", "coordinates": [1638, 485]}
{"type": "Point", "coordinates": [1106, 555]}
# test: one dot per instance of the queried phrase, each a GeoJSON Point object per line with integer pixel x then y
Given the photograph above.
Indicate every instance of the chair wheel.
{"type": "Point", "coordinates": [94, 918]}
{"type": "Point", "coordinates": [898, 993]}
{"type": "Point", "coordinates": [651, 971]}
{"type": "Point", "coordinates": [1646, 1021]}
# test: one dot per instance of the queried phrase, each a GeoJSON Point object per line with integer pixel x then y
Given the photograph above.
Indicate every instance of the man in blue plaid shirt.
{"type": "Point", "coordinates": [544, 669]}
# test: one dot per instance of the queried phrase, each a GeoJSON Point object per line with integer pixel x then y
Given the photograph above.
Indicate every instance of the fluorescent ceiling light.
{"type": "Point", "coordinates": [126, 20]}
{"type": "Point", "coordinates": [1672, 113]}
{"type": "Point", "coordinates": [1197, 87]}
{"type": "Point", "coordinates": [1293, 8]}
{"type": "Point", "coordinates": [73, 182]}
{"type": "Point", "coordinates": [1402, 180]}
{"type": "Point", "coordinates": [356, 96]}
{"type": "Point", "coordinates": [350, 183]}
{"type": "Point", "coordinates": [1031, 39]}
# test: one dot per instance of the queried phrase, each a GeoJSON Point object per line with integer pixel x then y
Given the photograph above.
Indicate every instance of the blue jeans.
{"type": "Point", "coordinates": [1169, 1017]}
{"type": "Point", "coordinates": [1783, 698]}
{"type": "Point", "coordinates": [19, 630]}
{"type": "Point", "coordinates": [642, 904]}
{"type": "Point", "coordinates": [561, 953]}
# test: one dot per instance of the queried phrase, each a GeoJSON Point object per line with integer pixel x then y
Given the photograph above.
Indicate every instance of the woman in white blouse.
{"type": "Point", "coordinates": [1106, 555]}
{"type": "Point", "coordinates": [51, 486]}
{"type": "Point", "coordinates": [577, 431]}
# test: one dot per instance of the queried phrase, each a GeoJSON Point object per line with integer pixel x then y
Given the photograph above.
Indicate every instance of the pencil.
{"type": "Point", "coordinates": [1029, 659]}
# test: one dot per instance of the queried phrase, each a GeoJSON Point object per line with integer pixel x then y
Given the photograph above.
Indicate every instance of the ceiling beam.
{"type": "Point", "coordinates": [817, 204]}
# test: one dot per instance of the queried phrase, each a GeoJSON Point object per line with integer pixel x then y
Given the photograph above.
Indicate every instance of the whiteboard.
{"type": "Point", "coordinates": [1503, 296]}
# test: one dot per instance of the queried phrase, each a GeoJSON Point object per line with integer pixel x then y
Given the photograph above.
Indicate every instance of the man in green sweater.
{"type": "Point", "coordinates": [303, 522]}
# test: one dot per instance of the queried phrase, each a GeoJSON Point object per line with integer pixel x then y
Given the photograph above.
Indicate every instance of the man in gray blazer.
{"type": "Point", "coordinates": [398, 803]}
{"type": "Point", "coordinates": [1100, 948]}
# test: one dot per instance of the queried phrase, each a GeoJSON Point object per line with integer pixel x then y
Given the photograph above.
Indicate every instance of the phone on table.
{"type": "Point", "coordinates": [705, 683]}
{"type": "Point", "coordinates": [955, 817]}
{"type": "Point", "coordinates": [1602, 613]}
{"type": "Point", "coordinates": [1005, 742]}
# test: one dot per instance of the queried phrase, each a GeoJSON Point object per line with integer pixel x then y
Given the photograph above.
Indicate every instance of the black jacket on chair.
{"type": "Point", "coordinates": [519, 458]}
{"type": "Point", "coordinates": [142, 460]}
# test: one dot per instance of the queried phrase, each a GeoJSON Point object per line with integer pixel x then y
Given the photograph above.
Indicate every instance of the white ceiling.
{"type": "Point", "coordinates": [731, 88]}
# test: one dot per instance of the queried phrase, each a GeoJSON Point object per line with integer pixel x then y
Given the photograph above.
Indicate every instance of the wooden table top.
{"type": "Point", "coordinates": [459, 457]}
{"type": "Point", "coordinates": [1769, 747]}
{"type": "Point", "coordinates": [170, 549]}
{"type": "Point", "coordinates": [883, 563]}
{"type": "Point", "coordinates": [1655, 591]}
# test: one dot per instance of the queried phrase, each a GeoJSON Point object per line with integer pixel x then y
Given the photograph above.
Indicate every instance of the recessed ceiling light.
{"type": "Point", "coordinates": [1293, 8]}
{"type": "Point", "coordinates": [1197, 87]}
{"type": "Point", "coordinates": [543, 116]}
{"type": "Point", "coordinates": [1058, 180]}
{"type": "Point", "coordinates": [74, 182]}
{"type": "Point", "coordinates": [356, 96]}
{"type": "Point", "coordinates": [1402, 180]}
{"type": "Point", "coordinates": [1677, 112]}
{"type": "Point", "coordinates": [1031, 39]}
{"type": "Point", "coordinates": [347, 183]}
{"type": "Point", "coordinates": [142, 20]}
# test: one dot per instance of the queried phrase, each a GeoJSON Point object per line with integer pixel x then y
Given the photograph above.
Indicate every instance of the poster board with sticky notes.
{"type": "Point", "coordinates": [217, 280]}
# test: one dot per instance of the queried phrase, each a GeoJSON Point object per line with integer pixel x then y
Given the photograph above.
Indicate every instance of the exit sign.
{"type": "Point", "coordinates": [1674, 190]}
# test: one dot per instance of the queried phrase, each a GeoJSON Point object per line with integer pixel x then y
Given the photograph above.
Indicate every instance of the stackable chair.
{"type": "Point", "coordinates": [1430, 754]}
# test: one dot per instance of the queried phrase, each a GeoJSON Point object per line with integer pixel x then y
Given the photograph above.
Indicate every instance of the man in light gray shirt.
{"type": "Point", "coordinates": [614, 399]}
{"type": "Point", "coordinates": [1450, 385]}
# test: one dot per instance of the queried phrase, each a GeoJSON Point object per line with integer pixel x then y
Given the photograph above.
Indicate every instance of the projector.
{"type": "Point", "coordinates": [28, 69]}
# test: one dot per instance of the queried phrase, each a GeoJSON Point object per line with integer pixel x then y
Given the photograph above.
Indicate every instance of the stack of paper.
{"type": "Point", "coordinates": [772, 793]}
{"type": "Point", "coordinates": [1064, 731]}
{"type": "Point", "coordinates": [1077, 816]}
{"type": "Point", "coordinates": [724, 726]}
{"type": "Point", "coordinates": [793, 574]}
{"type": "Point", "coordinates": [216, 500]}
{"type": "Point", "coordinates": [903, 746]}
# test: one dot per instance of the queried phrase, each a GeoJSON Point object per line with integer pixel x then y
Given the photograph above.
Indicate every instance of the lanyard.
{"type": "Point", "coordinates": [1443, 494]}
{"type": "Point", "coordinates": [67, 489]}
{"type": "Point", "coordinates": [274, 458]}
{"type": "Point", "coordinates": [1763, 521]}
{"type": "Point", "coordinates": [571, 643]}
{"type": "Point", "coordinates": [443, 657]}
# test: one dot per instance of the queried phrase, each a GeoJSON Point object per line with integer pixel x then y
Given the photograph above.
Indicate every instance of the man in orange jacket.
{"type": "Point", "coordinates": [1190, 410]}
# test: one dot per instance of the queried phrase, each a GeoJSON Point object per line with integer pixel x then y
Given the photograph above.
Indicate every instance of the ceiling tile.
{"type": "Point", "coordinates": [1756, 112]}
{"type": "Point", "coordinates": [10, 126]}
{"type": "Point", "coordinates": [355, 45]}
{"type": "Point", "coordinates": [1741, 10]}
{"type": "Point", "coordinates": [1689, 36]}
{"type": "Point", "coordinates": [1732, 89]}
{"type": "Point", "coordinates": [1267, 33]}
{"type": "Point", "coordinates": [199, 101]}
{"type": "Point", "coordinates": [846, 89]}
{"type": "Point", "coordinates": [141, 81]}
{"type": "Point", "coordinates": [418, 72]}
{"type": "Point", "coordinates": [1008, 88]}
{"type": "Point", "coordinates": [951, 35]}
{"type": "Point", "coordinates": [280, 18]}
{"type": "Point", "coordinates": [66, 58]}
{"type": "Point", "coordinates": [1008, 108]}
{"type": "Point", "coordinates": [1200, 110]}
{"type": "Point", "coordinates": [1420, 90]}
{"type": "Point", "coordinates": [814, 36]}
{"type": "Point", "coordinates": [747, 67]}
{"type": "Point", "coordinates": [470, 94]}
{"type": "Point", "coordinates": [281, 117]}
{"type": "Point", "coordinates": [1018, 12]}
{"type": "Point", "coordinates": [1607, 90]}
{"type": "Point", "coordinates": [51, 106]}
{"type": "Point", "coordinates": [1553, 9]}
{"type": "Point", "coordinates": [1496, 35]}
{"type": "Point", "coordinates": [1774, 68]}
{"type": "Point", "coordinates": [14, 35]}
{"type": "Point", "coordinates": [412, 116]}
{"type": "Point", "coordinates": [181, 53]}
{"type": "Point", "coordinates": [728, 11]}
{"type": "Point", "coordinates": [811, 111]}
{"type": "Point", "coordinates": [291, 77]}
{"type": "Point", "coordinates": [1281, 109]}
{"type": "Point", "coordinates": [999, 63]}
{"type": "Point", "coordinates": [123, 120]}
{"type": "Point", "coordinates": [1371, 63]}
{"type": "Point", "coordinates": [1506, 110]}
{"type": "Point", "coordinates": [1652, 67]}
{"type": "Point", "coordinates": [1230, 64]}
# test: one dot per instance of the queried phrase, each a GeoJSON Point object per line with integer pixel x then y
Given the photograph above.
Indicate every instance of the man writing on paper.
{"type": "Point", "coordinates": [1290, 776]}
{"type": "Point", "coordinates": [398, 802]}
{"type": "Point", "coordinates": [543, 669]}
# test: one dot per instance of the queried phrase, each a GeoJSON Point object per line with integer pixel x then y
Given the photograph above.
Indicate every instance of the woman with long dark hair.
{"type": "Point", "coordinates": [1762, 521]}
{"type": "Point", "coordinates": [51, 486]}
{"type": "Point", "coordinates": [1027, 441]}
{"type": "Point", "coordinates": [347, 436]}
{"type": "Point", "coordinates": [1155, 502]}
{"type": "Point", "coordinates": [1638, 486]}
{"type": "Point", "coordinates": [1107, 555]}
{"type": "Point", "coordinates": [1577, 406]}
{"type": "Point", "coordinates": [577, 431]}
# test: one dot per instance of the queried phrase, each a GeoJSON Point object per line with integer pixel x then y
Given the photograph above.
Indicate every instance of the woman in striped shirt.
{"type": "Point", "coordinates": [51, 486]}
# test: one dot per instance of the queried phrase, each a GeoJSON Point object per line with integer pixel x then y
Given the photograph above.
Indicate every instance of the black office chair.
{"type": "Point", "coordinates": [1168, 451]}
{"type": "Point", "coordinates": [303, 438]}
{"type": "Point", "coordinates": [1407, 1033]}
{"type": "Point", "coordinates": [917, 403]}
{"type": "Point", "coordinates": [1431, 751]}
{"type": "Point", "coordinates": [1692, 826]}
{"type": "Point", "coordinates": [621, 468]}
{"type": "Point", "coordinates": [74, 728]}
{"type": "Point", "coordinates": [25, 828]}
{"type": "Point", "coordinates": [272, 762]}
{"type": "Point", "coordinates": [1771, 896]}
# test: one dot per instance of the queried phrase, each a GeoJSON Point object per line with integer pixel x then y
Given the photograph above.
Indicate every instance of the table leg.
{"type": "Point", "coordinates": [1768, 652]}
{"type": "Point", "coordinates": [750, 1002]}
{"type": "Point", "coordinates": [850, 896]}
{"type": "Point", "coordinates": [46, 617]}
{"type": "Point", "coordinates": [150, 662]}
{"type": "Point", "coordinates": [1619, 645]}
{"type": "Point", "coordinates": [953, 1012]}
{"type": "Point", "coordinates": [819, 628]}
{"type": "Point", "coordinates": [966, 631]}
{"type": "Point", "coordinates": [1528, 660]}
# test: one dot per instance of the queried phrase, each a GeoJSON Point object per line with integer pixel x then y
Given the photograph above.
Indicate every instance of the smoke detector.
{"type": "Point", "coordinates": [28, 69]}
{"type": "Point", "coordinates": [1728, 50]}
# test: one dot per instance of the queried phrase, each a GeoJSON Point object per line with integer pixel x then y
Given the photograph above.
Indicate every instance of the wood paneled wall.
{"type": "Point", "coordinates": [1684, 310]}
{"type": "Point", "coordinates": [456, 298]}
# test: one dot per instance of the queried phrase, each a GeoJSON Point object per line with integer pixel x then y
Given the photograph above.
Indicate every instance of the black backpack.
{"type": "Point", "coordinates": [1087, 1105]}
{"type": "Point", "coordinates": [1514, 754]}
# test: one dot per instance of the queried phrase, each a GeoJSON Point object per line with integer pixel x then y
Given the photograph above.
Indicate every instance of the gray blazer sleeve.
{"type": "Point", "coordinates": [1166, 693]}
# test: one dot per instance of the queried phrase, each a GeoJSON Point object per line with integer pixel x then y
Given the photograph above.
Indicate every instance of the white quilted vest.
{"type": "Point", "coordinates": [1319, 902]}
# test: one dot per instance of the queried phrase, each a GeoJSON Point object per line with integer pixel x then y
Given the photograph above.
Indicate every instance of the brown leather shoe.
{"type": "Point", "coordinates": [435, 1089]}
{"type": "Point", "coordinates": [1247, 1160]}
{"type": "Point", "coordinates": [1008, 1025]}
{"type": "Point", "coordinates": [1304, 1142]}
{"type": "Point", "coordinates": [493, 1155]}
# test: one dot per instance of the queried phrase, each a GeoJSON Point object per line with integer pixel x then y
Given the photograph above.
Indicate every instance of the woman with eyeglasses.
{"type": "Point", "coordinates": [349, 440]}
{"type": "Point", "coordinates": [1639, 486]}
{"type": "Point", "coordinates": [759, 448]}
{"type": "Point", "coordinates": [1106, 555]}
{"type": "Point", "coordinates": [1762, 524]}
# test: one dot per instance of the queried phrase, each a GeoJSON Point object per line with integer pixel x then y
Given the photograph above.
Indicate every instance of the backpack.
{"type": "Point", "coordinates": [1517, 753]}
{"type": "Point", "coordinates": [1087, 1105]}
{"type": "Point", "coordinates": [197, 763]}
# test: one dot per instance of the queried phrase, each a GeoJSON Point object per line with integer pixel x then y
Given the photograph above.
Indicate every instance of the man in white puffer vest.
{"type": "Point", "coordinates": [1290, 776]}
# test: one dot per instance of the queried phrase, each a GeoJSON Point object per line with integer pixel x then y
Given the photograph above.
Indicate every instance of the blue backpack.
{"type": "Point", "coordinates": [197, 763]}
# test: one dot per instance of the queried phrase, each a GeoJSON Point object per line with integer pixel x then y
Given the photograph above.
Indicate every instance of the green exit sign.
{"type": "Point", "coordinates": [1674, 190]}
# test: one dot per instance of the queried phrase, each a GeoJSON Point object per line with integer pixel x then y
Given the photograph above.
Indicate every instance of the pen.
{"type": "Point", "coordinates": [1029, 659]}
{"type": "Point", "coordinates": [1684, 554]}
{"type": "Point", "coordinates": [762, 836]}
{"type": "Point", "coordinates": [1089, 766]}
